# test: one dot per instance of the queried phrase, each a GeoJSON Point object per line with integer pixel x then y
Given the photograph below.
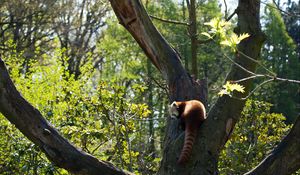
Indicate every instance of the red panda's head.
{"type": "Point", "coordinates": [176, 109]}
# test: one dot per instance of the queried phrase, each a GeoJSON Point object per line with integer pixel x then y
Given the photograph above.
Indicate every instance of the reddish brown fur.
{"type": "Point", "coordinates": [192, 114]}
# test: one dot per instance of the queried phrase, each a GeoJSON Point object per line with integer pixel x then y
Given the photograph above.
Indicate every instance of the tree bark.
{"type": "Point", "coordinates": [216, 130]}
{"type": "Point", "coordinates": [134, 18]}
{"type": "Point", "coordinates": [31, 123]}
{"type": "Point", "coordinates": [285, 158]}
{"type": "Point", "coordinates": [193, 36]}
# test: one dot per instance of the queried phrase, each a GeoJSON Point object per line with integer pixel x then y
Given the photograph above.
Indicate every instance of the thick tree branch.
{"type": "Point", "coordinates": [134, 18]}
{"type": "Point", "coordinates": [31, 123]}
{"type": "Point", "coordinates": [225, 112]}
{"type": "Point", "coordinates": [285, 158]}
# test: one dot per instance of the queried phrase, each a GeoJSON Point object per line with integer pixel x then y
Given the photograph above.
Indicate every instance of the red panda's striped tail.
{"type": "Point", "coordinates": [190, 135]}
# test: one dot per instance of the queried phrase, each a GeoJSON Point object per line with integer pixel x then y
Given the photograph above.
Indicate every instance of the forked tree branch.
{"type": "Point", "coordinates": [133, 16]}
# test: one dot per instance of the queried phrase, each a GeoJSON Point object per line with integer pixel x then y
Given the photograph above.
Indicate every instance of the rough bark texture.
{"type": "Point", "coordinates": [285, 158]}
{"type": "Point", "coordinates": [216, 130]}
{"type": "Point", "coordinates": [31, 123]}
{"type": "Point", "coordinates": [135, 19]}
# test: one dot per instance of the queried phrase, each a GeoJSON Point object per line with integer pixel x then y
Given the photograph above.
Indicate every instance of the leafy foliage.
{"type": "Point", "coordinates": [96, 116]}
{"type": "Point", "coordinates": [222, 29]}
{"type": "Point", "coordinates": [257, 132]}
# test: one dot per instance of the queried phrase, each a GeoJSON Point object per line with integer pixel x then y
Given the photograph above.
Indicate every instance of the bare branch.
{"type": "Point", "coordinates": [226, 10]}
{"type": "Point", "coordinates": [248, 78]}
{"type": "Point", "coordinates": [257, 62]}
{"type": "Point", "coordinates": [170, 21]}
{"type": "Point", "coordinates": [229, 18]}
{"type": "Point", "coordinates": [256, 88]}
{"type": "Point", "coordinates": [284, 79]}
{"type": "Point", "coordinates": [239, 66]}
{"type": "Point", "coordinates": [279, 9]}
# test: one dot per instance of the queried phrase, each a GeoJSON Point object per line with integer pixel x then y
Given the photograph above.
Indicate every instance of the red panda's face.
{"type": "Point", "coordinates": [174, 110]}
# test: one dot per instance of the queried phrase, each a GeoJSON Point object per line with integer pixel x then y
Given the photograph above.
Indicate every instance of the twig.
{"type": "Point", "coordinates": [238, 65]}
{"type": "Point", "coordinates": [248, 78]}
{"type": "Point", "coordinates": [284, 79]}
{"type": "Point", "coordinates": [279, 9]}
{"type": "Point", "coordinates": [229, 18]}
{"type": "Point", "coordinates": [170, 21]}
{"type": "Point", "coordinates": [254, 75]}
{"type": "Point", "coordinates": [160, 85]}
{"type": "Point", "coordinates": [97, 147]}
{"type": "Point", "coordinates": [257, 87]}
{"type": "Point", "coordinates": [226, 10]}
{"type": "Point", "coordinates": [256, 61]}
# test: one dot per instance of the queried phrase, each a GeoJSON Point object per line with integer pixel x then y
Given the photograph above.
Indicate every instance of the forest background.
{"type": "Point", "coordinates": [82, 70]}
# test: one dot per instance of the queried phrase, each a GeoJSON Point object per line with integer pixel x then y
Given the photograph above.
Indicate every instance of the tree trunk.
{"type": "Point", "coordinates": [193, 36]}
{"type": "Point", "coordinates": [216, 130]}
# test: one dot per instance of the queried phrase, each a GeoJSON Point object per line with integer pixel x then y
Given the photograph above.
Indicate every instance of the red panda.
{"type": "Point", "coordinates": [192, 114]}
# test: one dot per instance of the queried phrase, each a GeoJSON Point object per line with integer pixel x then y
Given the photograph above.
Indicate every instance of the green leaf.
{"type": "Point", "coordinates": [206, 34]}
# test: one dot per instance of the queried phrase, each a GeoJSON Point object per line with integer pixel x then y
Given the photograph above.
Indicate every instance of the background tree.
{"type": "Point", "coordinates": [291, 19]}
{"type": "Point", "coordinates": [280, 56]}
{"type": "Point", "coordinates": [25, 28]}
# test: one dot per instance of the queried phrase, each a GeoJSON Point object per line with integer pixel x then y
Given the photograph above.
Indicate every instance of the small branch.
{"type": "Point", "coordinates": [170, 21]}
{"type": "Point", "coordinates": [229, 18]}
{"type": "Point", "coordinates": [257, 62]}
{"type": "Point", "coordinates": [257, 87]}
{"type": "Point", "coordinates": [248, 78]}
{"type": "Point", "coordinates": [160, 85]}
{"type": "Point", "coordinates": [284, 79]}
{"type": "Point", "coordinates": [226, 10]}
{"type": "Point", "coordinates": [273, 74]}
{"type": "Point", "coordinates": [97, 147]}
{"type": "Point", "coordinates": [263, 83]}
{"type": "Point", "coordinates": [279, 9]}
{"type": "Point", "coordinates": [240, 66]}
{"type": "Point", "coordinates": [254, 75]}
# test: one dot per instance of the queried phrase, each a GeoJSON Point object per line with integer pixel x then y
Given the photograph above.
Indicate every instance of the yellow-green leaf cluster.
{"type": "Point", "coordinates": [229, 88]}
{"type": "Point", "coordinates": [223, 29]}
